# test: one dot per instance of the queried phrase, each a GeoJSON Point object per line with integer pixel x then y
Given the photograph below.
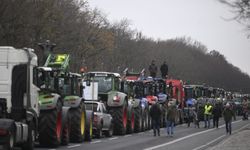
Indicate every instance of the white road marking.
{"type": "Point", "coordinates": [185, 137]}
{"type": "Point", "coordinates": [72, 146]}
{"type": "Point", "coordinates": [128, 135]}
{"type": "Point", "coordinates": [99, 141]}
{"type": "Point", "coordinates": [114, 138]}
{"type": "Point", "coordinates": [211, 142]}
{"type": "Point", "coordinates": [223, 143]}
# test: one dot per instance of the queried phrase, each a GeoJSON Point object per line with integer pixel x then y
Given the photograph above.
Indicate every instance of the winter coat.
{"type": "Point", "coordinates": [164, 69]}
{"type": "Point", "coordinates": [171, 113]}
{"type": "Point", "coordinates": [155, 112]}
{"type": "Point", "coordinates": [217, 111]}
{"type": "Point", "coordinates": [228, 114]}
{"type": "Point", "coordinates": [152, 69]}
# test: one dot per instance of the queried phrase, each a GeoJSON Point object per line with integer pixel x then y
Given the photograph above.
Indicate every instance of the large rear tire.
{"type": "Point", "coordinates": [89, 126]}
{"type": "Point", "coordinates": [66, 127]}
{"type": "Point", "coordinates": [131, 120]}
{"type": "Point", "coordinates": [78, 124]}
{"type": "Point", "coordinates": [138, 119]}
{"type": "Point", "coordinates": [50, 127]}
{"type": "Point", "coordinates": [120, 119]}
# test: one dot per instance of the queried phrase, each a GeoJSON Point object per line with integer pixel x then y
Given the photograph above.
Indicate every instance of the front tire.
{"type": "Point", "coordinates": [138, 119]}
{"type": "Point", "coordinates": [120, 120]}
{"type": "Point", "coordinates": [50, 127]}
{"type": "Point", "coordinates": [131, 121]}
{"type": "Point", "coordinates": [78, 124]}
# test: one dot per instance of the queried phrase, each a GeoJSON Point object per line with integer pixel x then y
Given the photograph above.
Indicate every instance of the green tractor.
{"type": "Point", "coordinates": [63, 117]}
{"type": "Point", "coordinates": [81, 120]}
{"type": "Point", "coordinates": [54, 117]}
{"type": "Point", "coordinates": [109, 92]}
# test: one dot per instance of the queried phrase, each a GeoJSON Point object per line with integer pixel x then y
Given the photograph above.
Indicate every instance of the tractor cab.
{"type": "Point", "coordinates": [150, 91]}
{"type": "Point", "coordinates": [161, 90]}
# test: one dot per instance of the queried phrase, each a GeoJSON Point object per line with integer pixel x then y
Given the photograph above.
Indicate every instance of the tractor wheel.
{"type": "Point", "coordinates": [78, 123]}
{"type": "Point", "coordinates": [131, 121]}
{"type": "Point", "coordinates": [120, 119]}
{"type": "Point", "coordinates": [66, 127]}
{"type": "Point", "coordinates": [50, 127]}
{"type": "Point", "coordinates": [89, 126]}
{"type": "Point", "coordinates": [145, 120]}
{"type": "Point", "coordinates": [138, 119]}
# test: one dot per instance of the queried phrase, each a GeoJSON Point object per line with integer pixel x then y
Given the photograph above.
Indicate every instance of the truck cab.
{"type": "Point", "coordinates": [19, 107]}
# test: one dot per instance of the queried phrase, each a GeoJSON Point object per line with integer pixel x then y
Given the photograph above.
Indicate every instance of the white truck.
{"type": "Point", "coordinates": [19, 107]}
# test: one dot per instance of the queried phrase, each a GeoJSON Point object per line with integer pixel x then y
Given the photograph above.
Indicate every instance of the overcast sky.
{"type": "Point", "coordinates": [202, 20]}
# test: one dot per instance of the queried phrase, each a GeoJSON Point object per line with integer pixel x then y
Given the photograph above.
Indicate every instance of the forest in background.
{"type": "Point", "coordinates": [93, 41]}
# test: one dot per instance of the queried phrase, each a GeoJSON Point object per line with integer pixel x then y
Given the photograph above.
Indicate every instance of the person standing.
{"type": "Point", "coordinates": [153, 69]}
{"type": "Point", "coordinates": [170, 117]}
{"type": "Point", "coordinates": [245, 109]}
{"type": "Point", "coordinates": [216, 115]}
{"type": "Point", "coordinates": [164, 70]}
{"type": "Point", "coordinates": [228, 114]}
{"type": "Point", "coordinates": [207, 114]}
{"type": "Point", "coordinates": [155, 113]}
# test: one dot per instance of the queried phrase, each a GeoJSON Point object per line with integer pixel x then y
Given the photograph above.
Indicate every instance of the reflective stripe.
{"type": "Point", "coordinates": [208, 110]}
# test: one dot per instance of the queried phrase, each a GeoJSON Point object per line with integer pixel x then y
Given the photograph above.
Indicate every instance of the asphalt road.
{"type": "Point", "coordinates": [185, 138]}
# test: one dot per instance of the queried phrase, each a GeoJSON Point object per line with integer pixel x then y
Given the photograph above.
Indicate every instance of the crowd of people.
{"type": "Point", "coordinates": [194, 113]}
{"type": "Point", "coordinates": [210, 112]}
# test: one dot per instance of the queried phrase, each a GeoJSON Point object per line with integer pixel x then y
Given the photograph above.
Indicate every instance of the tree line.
{"type": "Point", "coordinates": [95, 42]}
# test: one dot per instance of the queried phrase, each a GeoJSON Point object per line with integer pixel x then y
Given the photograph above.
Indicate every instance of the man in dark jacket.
{"type": "Point", "coordinates": [153, 69]}
{"type": "Point", "coordinates": [164, 70]}
{"type": "Point", "coordinates": [228, 114]}
{"type": "Point", "coordinates": [155, 113]}
{"type": "Point", "coordinates": [216, 115]}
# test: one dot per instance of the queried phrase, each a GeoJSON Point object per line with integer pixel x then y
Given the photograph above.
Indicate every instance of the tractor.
{"type": "Point", "coordinates": [63, 116]}
{"type": "Point", "coordinates": [116, 101]}
{"type": "Point", "coordinates": [134, 88]}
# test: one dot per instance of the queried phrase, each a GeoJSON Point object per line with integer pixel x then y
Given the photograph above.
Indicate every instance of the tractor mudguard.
{"type": "Point", "coordinates": [116, 99]}
{"type": "Point", "coordinates": [48, 101]}
{"type": "Point", "coordinates": [72, 101]}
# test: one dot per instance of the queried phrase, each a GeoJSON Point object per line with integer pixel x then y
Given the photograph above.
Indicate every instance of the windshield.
{"type": "Point", "coordinates": [104, 84]}
{"type": "Point", "coordinates": [89, 106]}
{"type": "Point", "coordinates": [47, 80]}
